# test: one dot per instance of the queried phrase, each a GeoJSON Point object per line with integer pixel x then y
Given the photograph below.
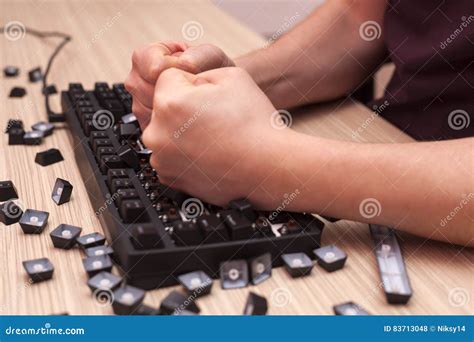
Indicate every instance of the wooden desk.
{"type": "Point", "coordinates": [104, 34]}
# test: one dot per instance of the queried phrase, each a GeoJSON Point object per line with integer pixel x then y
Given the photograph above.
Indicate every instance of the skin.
{"type": "Point", "coordinates": [218, 144]}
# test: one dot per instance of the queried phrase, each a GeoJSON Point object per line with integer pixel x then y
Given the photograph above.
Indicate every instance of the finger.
{"type": "Point", "coordinates": [203, 57]}
{"type": "Point", "coordinates": [143, 113]}
{"type": "Point", "coordinates": [140, 89]}
{"type": "Point", "coordinates": [221, 75]}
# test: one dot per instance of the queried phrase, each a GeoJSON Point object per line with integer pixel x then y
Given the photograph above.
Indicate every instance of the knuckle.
{"type": "Point", "coordinates": [130, 84]}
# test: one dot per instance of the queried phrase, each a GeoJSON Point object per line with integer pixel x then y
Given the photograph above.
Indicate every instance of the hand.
{"type": "Point", "coordinates": [150, 61]}
{"type": "Point", "coordinates": [212, 136]}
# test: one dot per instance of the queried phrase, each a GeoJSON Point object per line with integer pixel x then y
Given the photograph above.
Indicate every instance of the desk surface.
{"type": "Point", "coordinates": [104, 34]}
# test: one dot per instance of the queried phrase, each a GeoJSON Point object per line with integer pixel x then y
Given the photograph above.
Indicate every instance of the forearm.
{"type": "Point", "coordinates": [413, 187]}
{"type": "Point", "coordinates": [322, 58]}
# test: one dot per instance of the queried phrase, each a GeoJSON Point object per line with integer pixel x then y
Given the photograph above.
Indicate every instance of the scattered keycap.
{"type": "Point", "coordinates": [104, 281]}
{"type": "Point", "coordinates": [35, 75]}
{"type": "Point", "coordinates": [99, 250]}
{"type": "Point", "coordinates": [10, 213]}
{"type": "Point", "coordinates": [175, 302]}
{"type": "Point", "coordinates": [196, 283]}
{"type": "Point", "coordinates": [49, 90]}
{"type": "Point", "coordinates": [350, 309]}
{"type": "Point", "coordinates": [33, 138]}
{"type": "Point", "coordinates": [65, 236]}
{"type": "Point", "coordinates": [15, 136]}
{"type": "Point", "coordinates": [261, 268]}
{"type": "Point", "coordinates": [17, 92]}
{"type": "Point", "coordinates": [331, 258]}
{"type": "Point", "coordinates": [48, 157]}
{"type": "Point", "coordinates": [91, 240]}
{"type": "Point", "coordinates": [234, 274]}
{"type": "Point", "coordinates": [127, 300]}
{"type": "Point", "coordinates": [129, 118]}
{"type": "Point", "coordinates": [145, 310]}
{"type": "Point", "coordinates": [13, 123]}
{"type": "Point", "coordinates": [45, 127]}
{"type": "Point", "coordinates": [11, 71]}
{"type": "Point", "coordinates": [62, 191]}
{"type": "Point", "coordinates": [96, 264]}
{"type": "Point", "coordinates": [297, 264]}
{"type": "Point", "coordinates": [7, 191]}
{"type": "Point", "coordinates": [255, 305]}
{"type": "Point", "coordinates": [34, 221]}
{"type": "Point", "coordinates": [39, 269]}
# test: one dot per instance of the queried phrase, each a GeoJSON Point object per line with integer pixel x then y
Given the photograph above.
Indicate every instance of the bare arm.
{"type": "Point", "coordinates": [323, 58]}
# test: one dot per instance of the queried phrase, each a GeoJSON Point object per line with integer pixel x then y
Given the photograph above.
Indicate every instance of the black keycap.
{"type": "Point", "coordinates": [97, 135]}
{"type": "Point", "coordinates": [234, 274]}
{"type": "Point", "coordinates": [129, 118]}
{"type": "Point", "coordinates": [349, 309]}
{"type": "Point", "coordinates": [133, 211]}
{"type": "Point", "coordinates": [15, 136]}
{"type": "Point", "coordinates": [91, 240]}
{"type": "Point", "coordinates": [120, 183]}
{"type": "Point", "coordinates": [105, 281]}
{"type": "Point", "coordinates": [261, 268]}
{"type": "Point", "coordinates": [11, 71]}
{"type": "Point", "coordinates": [125, 194]}
{"type": "Point", "coordinates": [115, 174]}
{"type": "Point", "coordinates": [213, 228]}
{"type": "Point", "coordinates": [49, 157]}
{"type": "Point", "coordinates": [39, 269]}
{"type": "Point", "coordinates": [196, 283]}
{"type": "Point", "coordinates": [17, 92]}
{"type": "Point", "coordinates": [100, 143]}
{"type": "Point", "coordinates": [128, 155]}
{"type": "Point", "coordinates": [45, 127]}
{"type": "Point", "coordinates": [297, 264]}
{"type": "Point", "coordinates": [145, 310]}
{"type": "Point", "coordinates": [264, 227]}
{"type": "Point", "coordinates": [239, 226]}
{"type": "Point", "coordinates": [243, 206]}
{"type": "Point", "coordinates": [104, 151]}
{"type": "Point", "coordinates": [65, 236]}
{"type": "Point", "coordinates": [7, 191]}
{"type": "Point", "coordinates": [186, 233]}
{"type": "Point", "coordinates": [34, 221]}
{"type": "Point", "coordinates": [145, 236]}
{"type": "Point", "coordinates": [99, 250]}
{"type": "Point", "coordinates": [35, 75]}
{"type": "Point", "coordinates": [10, 213]}
{"type": "Point", "coordinates": [111, 162]}
{"type": "Point", "coordinates": [33, 138]}
{"type": "Point", "coordinates": [128, 131]}
{"type": "Point", "coordinates": [97, 264]}
{"type": "Point", "coordinates": [12, 124]}
{"type": "Point", "coordinates": [127, 299]}
{"type": "Point", "coordinates": [256, 305]}
{"type": "Point", "coordinates": [62, 191]}
{"type": "Point", "coordinates": [175, 302]}
{"type": "Point", "coordinates": [49, 90]}
{"type": "Point", "coordinates": [330, 258]}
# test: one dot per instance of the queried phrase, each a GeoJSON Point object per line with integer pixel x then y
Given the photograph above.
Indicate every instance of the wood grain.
{"type": "Point", "coordinates": [104, 34]}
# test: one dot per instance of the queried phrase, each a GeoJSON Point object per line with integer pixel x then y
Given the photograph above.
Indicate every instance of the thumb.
{"type": "Point", "coordinates": [204, 57]}
{"type": "Point", "coordinates": [173, 79]}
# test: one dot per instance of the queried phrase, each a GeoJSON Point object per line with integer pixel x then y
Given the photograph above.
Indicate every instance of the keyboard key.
{"type": "Point", "coordinates": [196, 283]}
{"type": "Point", "coordinates": [145, 310]}
{"type": "Point", "coordinates": [186, 233]}
{"type": "Point", "coordinates": [127, 299]}
{"type": "Point", "coordinates": [213, 228]}
{"type": "Point", "coordinates": [45, 127]}
{"type": "Point", "coordinates": [330, 258]}
{"type": "Point", "coordinates": [91, 240]}
{"type": "Point", "coordinates": [17, 92]}
{"type": "Point", "coordinates": [99, 250]}
{"type": "Point", "coordinates": [65, 236]}
{"type": "Point", "coordinates": [39, 269]}
{"type": "Point", "coordinates": [111, 162]}
{"type": "Point", "coordinates": [105, 281]}
{"type": "Point", "coordinates": [33, 138]}
{"type": "Point", "coordinates": [125, 194]}
{"type": "Point", "coordinates": [239, 226]}
{"type": "Point", "coordinates": [10, 213]}
{"type": "Point", "coordinates": [234, 274]}
{"type": "Point", "coordinates": [297, 264]}
{"type": "Point", "coordinates": [7, 191]}
{"type": "Point", "coordinates": [34, 221]}
{"type": "Point", "coordinates": [261, 268]}
{"type": "Point", "coordinates": [176, 302]}
{"type": "Point", "coordinates": [128, 155]}
{"type": "Point", "coordinates": [96, 264]}
{"type": "Point", "coordinates": [133, 211]}
{"type": "Point", "coordinates": [35, 75]}
{"type": "Point", "coordinates": [62, 191]}
{"type": "Point", "coordinates": [15, 136]}
{"type": "Point", "coordinates": [145, 236]}
{"type": "Point", "coordinates": [13, 124]}
{"type": "Point", "coordinates": [256, 305]}
{"type": "Point", "coordinates": [243, 206]}
{"type": "Point", "coordinates": [100, 143]}
{"type": "Point", "coordinates": [11, 71]}
{"type": "Point", "coordinates": [129, 131]}
{"type": "Point", "coordinates": [48, 157]}
{"type": "Point", "coordinates": [104, 151]}
{"type": "Point", "coordinates": [350, 309]}
{"type": "Point", "coordinates": [120, 184]}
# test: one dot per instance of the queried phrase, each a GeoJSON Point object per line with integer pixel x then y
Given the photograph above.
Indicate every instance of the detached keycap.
{"type": "Point", "coordinates": [196, 283]}
{"type": "Point", "coordinates": [35, 75]}
{"type": "Point", "coordinates": [15, 136]}
{"type": "Point", "coordinates": [65, 236]}
{"type": "Point", "coordinates": [39, 269]}
{"type": "Point", "coordinates": [234, 274]}
{"type": "Point", "coordinates": [91, 240]}
{"type": "Point", "coordinates": [49, 157]}
{"type": "Point", "coordinates": [10, 213]}
{"type": "Point", "coordinates": [145, 236]}
{"type": "Point", "coordinates": [350, 309]}
{"type": "Point", "coordinates": [17, 92]}
{"type": "Point", "coordinates": [12, 124]}
{"type": "Point", "coordinates": [99, 250]}
{"type": "Point", "coordinates": [127, 300]}
{"type": "Point", "coordinates": [62, 191]}
{"type": "Point", "coordinates": [176, 302]}
{"type": "Point", "coordinates": [330, 258]}
{"type": "Point", "coordinates": [7, 191]}
{"type": "Point", "coordinates": [97, 264]}
{"type": "Point", "coordinates": [104, 281]}
{"type": "Point", "coordinates": [256, 305]}
{"type": "Point", "coordinates": [33, 138]}
{"type": "Point", "coordinates": [11, 71]}
{"type": "Point", "coordinates": [45, 127]}
{"type": "Point", "coordinates": [297, 264]}
{"type": "Point", "coordinates": [261, 268]}
{"type": "Point", "coordinates": [34, 221]}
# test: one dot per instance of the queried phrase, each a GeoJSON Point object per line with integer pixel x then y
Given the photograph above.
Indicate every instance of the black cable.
{"type": "Point", "coordinates": [52, 116]}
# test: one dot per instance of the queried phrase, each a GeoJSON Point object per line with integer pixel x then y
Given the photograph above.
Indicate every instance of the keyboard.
{"type": "Point", "coordinates": [156, 232]}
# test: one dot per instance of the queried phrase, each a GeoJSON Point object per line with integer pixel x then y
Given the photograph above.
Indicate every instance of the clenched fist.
{"type": "Point", "coordinates": [150, 61]}
{"type": "Point", "coordinates": [212, 135]}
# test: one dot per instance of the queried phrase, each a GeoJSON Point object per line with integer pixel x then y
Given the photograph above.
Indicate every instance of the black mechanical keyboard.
{"type": "Point", "coordinates": [156, 232]}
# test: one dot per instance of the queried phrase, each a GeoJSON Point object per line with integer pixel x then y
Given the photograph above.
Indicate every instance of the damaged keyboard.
{"type": "Point", "coordinates": [156, 232]}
